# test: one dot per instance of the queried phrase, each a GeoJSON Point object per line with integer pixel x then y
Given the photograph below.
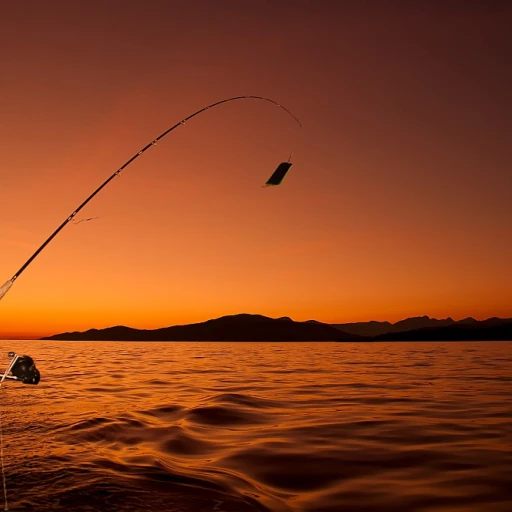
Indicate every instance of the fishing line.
{"type": "Point", "coordinates": [74, 221]}
{"type": "Point", "coordinates": [21, 369]}
{"type": "Point", "coordinates": [6, 506]}
{"type": "Point", "coordinates": [4, 480]}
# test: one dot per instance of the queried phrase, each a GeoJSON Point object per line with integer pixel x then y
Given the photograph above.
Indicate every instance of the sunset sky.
{"type": "Point", "coordinates": [398, 203]}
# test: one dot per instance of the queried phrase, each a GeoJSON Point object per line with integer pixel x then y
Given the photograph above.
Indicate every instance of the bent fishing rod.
{"type": "Point", "coordinates": [274, 180]}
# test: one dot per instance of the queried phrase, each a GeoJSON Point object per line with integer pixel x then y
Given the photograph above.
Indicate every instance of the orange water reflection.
{"type": "Point", "coordinates": [261, 426]}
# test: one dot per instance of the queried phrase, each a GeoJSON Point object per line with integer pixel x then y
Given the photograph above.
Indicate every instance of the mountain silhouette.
{"type": "Point", "coordinates": [374, 328]}
{"type": "Point", "coordinates": [243, 327]}
{"type": "Point", "coordinates": [246, 327]}
{"type": "Point", "coordinates": [492, 329]}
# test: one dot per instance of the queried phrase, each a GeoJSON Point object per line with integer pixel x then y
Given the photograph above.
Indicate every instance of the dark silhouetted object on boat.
{"type": "Point", "coordinates": [25, 370]}
{"type": "Point", "coordinates": [21, 368]}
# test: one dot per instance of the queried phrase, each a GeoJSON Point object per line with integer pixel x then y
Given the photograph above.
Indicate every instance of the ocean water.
{"type": "Point", "coordinates": [236, 427]}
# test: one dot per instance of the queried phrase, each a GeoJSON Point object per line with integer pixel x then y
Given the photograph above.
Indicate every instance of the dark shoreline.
{"type": "Point", "coordinates": [256, 328]}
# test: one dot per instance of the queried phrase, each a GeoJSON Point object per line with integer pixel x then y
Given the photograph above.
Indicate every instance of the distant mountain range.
{"type": "Point", "coordinates": [424, 328]}
{"type": "Point", "coordinates": [227, 328]}
{"type": "Point", "coordinates": [492, 329]}
{"type": "Point", "coordinates": [374, 328]}
{"type": "Point", "coordinates": [245, 327]}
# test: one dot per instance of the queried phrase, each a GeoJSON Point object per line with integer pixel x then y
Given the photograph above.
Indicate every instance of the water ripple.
{"type": "Point", "coordinates": [270, 427]}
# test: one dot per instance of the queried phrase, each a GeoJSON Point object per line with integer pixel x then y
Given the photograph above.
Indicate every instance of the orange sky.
{"type": "Point", "coordinates": [398, 203]}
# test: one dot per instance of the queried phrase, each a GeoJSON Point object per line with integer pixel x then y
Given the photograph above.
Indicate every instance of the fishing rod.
{"type": "Point", "coordinates": [275, 179]}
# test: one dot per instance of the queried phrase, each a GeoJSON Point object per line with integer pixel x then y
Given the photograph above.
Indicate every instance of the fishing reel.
{"type": "Point", "coordinates": [21, 368]}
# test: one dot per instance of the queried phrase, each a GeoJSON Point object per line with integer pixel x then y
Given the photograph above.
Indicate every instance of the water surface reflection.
{"type": "Point", "coordinates": [235, 427]}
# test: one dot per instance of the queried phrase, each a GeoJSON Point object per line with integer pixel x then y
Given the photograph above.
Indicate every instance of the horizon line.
{"type": "Point", "coordinates": [35, 336]}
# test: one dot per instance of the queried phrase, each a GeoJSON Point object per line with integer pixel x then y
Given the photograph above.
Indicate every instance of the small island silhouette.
{"type": "Point", "coordinates": [247, 327]}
